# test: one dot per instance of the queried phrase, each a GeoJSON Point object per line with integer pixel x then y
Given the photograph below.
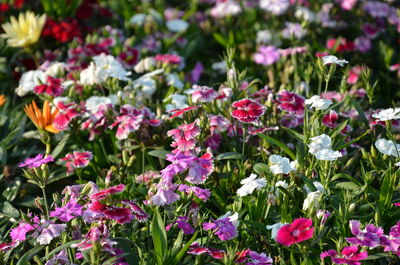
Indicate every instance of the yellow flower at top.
{"type": "Point", "coordinates": [3, 100]}
{"type": "Point", "coordinates": [42, 120]}
{"type": "Point", "coordinates": [25, 31]}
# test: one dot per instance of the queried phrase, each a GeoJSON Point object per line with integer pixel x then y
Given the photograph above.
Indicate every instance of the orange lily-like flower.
{"type": "Point", "coordinates": [3, 100]}
{"type": "Point", "coordinates": [42, 120]}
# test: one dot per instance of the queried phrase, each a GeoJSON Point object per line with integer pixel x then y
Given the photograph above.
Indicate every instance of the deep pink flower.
{"type": "Point", "coordinates": [299, 230]}
{"type": "Point", "coordinates": [330, 119]}
{"type": "Point", "coordinates": [179, 112]}
{"type": "Point", "coordinates": [19, 233]}
{"type": "Point", "coordinates": [138, 212]}
{"type": "Point", "coordinates": [107, 192]}
{"type": "Point", "coordinates": [203, 94]}
{"type": "Point", "coordinates": [291, 102]}
{"type": "Point", "coordinates": [52, 87]}
{"type": "Point", "coordinates": [66, 112]}
{"type": "Point", "coordinates": [247, 110]}
{"type": "Point", "coordinates": [77, 160]}
{"type": "Point", "coordinates": [349, 255]}
{"type": "Point", "coordinates": [120, 214]}
{"type": "Point", "coordinates": [168, 58]}
{"type": "Point", "coordinates": [8, 246]}
{"type": "Point", "coordinates": [196, 249]}
{"type": "Point", "coordinates": [36, 161]}
{"type": "Point", "coordinates": [68, 212]}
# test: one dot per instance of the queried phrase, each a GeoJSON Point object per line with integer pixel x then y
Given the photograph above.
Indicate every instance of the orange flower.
{"type": "Point", "coordinates": [3, 100]}
{"type": "Point", "coordinates": [42, 120]}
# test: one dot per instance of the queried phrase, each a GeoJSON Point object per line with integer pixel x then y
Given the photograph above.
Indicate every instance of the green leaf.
{"type": "Point", "coordinates": [221, 40]}
{"type": "Point", "coordinates": [161, 153]}
{"type": "Point", "coordinates": [229, 155]}
{"type": "Point", "coordinates": [58, 249]}
{"type": "Point", "coordinates": [347, 185]}
{"type": "Point", "coordinates": [279, 144]}
{"type": "Point", "coordinates": [261, 168]}
{"type": "Point", "coordinates": [129, 248]}
{"type": "Point", "coordinates": [9, 210]}
{"type": "Point", "coordinates": [307, 181]}
{"type": "Point", "coordinates": [60, 147]}
{"type": "Point", "coordinates": [159, 237]}
{"type": "Point", "coordinates": [24, 260]}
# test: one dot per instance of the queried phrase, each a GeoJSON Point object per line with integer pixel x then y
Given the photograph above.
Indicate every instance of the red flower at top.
{"type": "Point", "coordinates": [247, 110]}
{"type": "Point", "coordinates": [299, 230]}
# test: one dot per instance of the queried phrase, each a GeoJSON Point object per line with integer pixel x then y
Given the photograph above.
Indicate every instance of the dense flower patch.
{"type": "Point", "coordinates": [199, 132]}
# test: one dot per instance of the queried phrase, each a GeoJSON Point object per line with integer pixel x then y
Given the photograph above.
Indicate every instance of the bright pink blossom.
{"type": "Point", "coordinates": [247, 110]}
{"type": "Point", "coordinates": [299, 230]}
{"type": "Point", "coordinates": [77, 160]}
{"type": "Point", "coordinates": [349, 255]}
{"type": "Point", "coordinates": [291, 102]}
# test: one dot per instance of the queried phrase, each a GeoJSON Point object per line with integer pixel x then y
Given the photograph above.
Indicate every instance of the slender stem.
{"type": "Point", "coordinates": [45, 202]}
{"type": "Point", "coordinates": [244, 140]}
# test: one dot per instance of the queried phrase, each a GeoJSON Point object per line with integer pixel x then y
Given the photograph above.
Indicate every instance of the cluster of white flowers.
{"type": "Point", "coordinates": [313, 198]}
{"type": "Point", "coordinates": [281, 165]}
{"type": "Point", "coordinates": [388, 147]}
{"type": "Point", "coordinates": [250, 184]}
{"type": "Point", "coordinates": [320, 147]}
{"type": "Point", "coordinates": [387, 114]}
{"type": "Point", "coordinates": [318, 103]}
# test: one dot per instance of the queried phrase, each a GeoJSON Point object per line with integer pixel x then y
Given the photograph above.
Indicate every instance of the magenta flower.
{"type": "Point", "coordinates": [68, 212]}
{"type": "Point", "coordinates": [258, 259]}
{"type": "Point", "coordinates": [168, 58]}
{"type": "Point", "coordinates": [52, 87]}
{"type": "Point", "coordinates": [184, 137]}
{"type": "Point", "coordinates": [223, 228]}
{"type": "Point", "coordinates": [200, 168]}
{"type": "Point", "coordinates": [372, 236]}
{"type": "Point", "coordinates": [179, 164]}
{"type": "Point", "coordinates": [266, 55]}
{"type": "Point", "coordinates": [129, 121]}
{"type": "Point", "coordinates": [182, 223]}
{"type": "Point", "coordinates": [299, 230]}
{"type": "Point", "coordinates": [349, 255]}
{"type": "Point", "coordinates": [291, 102]}
{"type": "Point", "coordinates": [77, 160]}
{"type": "Point", "coordinates": [36, 161]}
{"type": "Point", "coordinates": [66, 112]}
{"type": "Point", "coordinates": [120, 214]}
{"type": "Point", "coordinates": [393, 240]}
{"type": "Point", "coordinates": [138, 212]}
{"type": "Point", "coordinates": [19, 233]}
{"type": "Point", "coordinates": [179, 112]}
{"type": "Point", "coordinates": [247, 110]}
{"type": "Point", "coordinates": [202, 194]}
{"type": "Point", "coordinates": [196, 249]}
{"type": "Point", "coordinates": [330, 119]}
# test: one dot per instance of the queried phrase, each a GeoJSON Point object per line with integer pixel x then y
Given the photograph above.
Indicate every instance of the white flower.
{"type": "Point", "coordinates": [282, 184]}
{"type": "Point", "coordinates": [220, 67]}
{"type": "Point", "coordinates": [90, 75]}
{"type": "Point", "coordinates": [177, 102]}
{"type": "Point", "coordinates": [110, 67]}
{"type": "Point", "coordinates": [29, 80]}
{"type": "Point", "coordinates": [93, 103]}
{"type": "Point", "coordinates": [305, 14]}
{"type": "Point", "coordinates": [387, 147]}
{"type": "Point", "coordinates": [317, 185]}
{"type": "Point", "coordinates": [331, 59]}
{"type": "Point", "coordinates": [387, 114]}
{"type": "Point", "coordinates": [177, 25]}
{"type": "Point", "coordinates": [138, 19]}
{"type": "Point", "coordinates": [51, 232]}
{"type": "Point", "coordinates": [328, 154]}
{"type": "Point", "coordinates": [275, 228]}
{"type": "Point", "coordinates": [144, 65]}
{"type": "Point", "coordinates": [276, 7]}
{"type": "Point", "coordinates": [250, 184]}
{"type": "Point", "coordinates": [320, 142]}
{"type": "Point", "coordinates": [397, 164]}
{"type": "Point", "coordinates": [264, 36]}
{"type": "Point", "coordinates": [226, 8]}
{"type": "Point", "coordinates": [234, 218]}
{"type": "Point", "coordinates": [312, 200]}
{"type": "Point", "coordinates": [56, 69]}
{"type": "Point", "coordinates": [318, 103]}
{"type": "Point", "coordinates": [173, 80]}
{"type": "Point", "coordinates": [148, 86]}
{"type": "Point", "coordinates": [281, 165]}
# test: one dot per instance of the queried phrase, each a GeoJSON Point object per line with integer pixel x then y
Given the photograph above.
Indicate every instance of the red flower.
{"type": "Point", "coordinates": [53, 87]}
{"type": "Point", "coordinates": [299, 230]}
{"type": "Point", "coordinates": [168, 58]}
{"type": "Point", "coordinates": [330, 119]}
{"type": "Point", "coordinates": [291, 102]}
{"type": "Point", "coordinates": [106, 192]}
{"type": "Point", "coordinates": [120, 214]}
{"type": "Point", "coordinates": [63, 32]}
{"type": "Point", "coordinates": [179, 112]}
{"type": "Point", "coordinates": [247, 110]}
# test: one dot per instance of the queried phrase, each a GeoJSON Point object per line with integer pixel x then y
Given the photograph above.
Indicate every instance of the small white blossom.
{"type": "Point", "coordinates": [281, 165]}
{"type": "Point", "coordinates": [177, 25]}
{"type": "Point", "coordinates": [234, 218]}
{"type": "Point", "coordinates": [174, 80]}
{"type": "Point", "coordinates": [331, 59]}
{"type": "Point", "coordinates": [312, 200]}
{"type": "Point", "coordinates": [29, 80]}
{"type": "Point", "coordinates": [93, 103]}
{"type": "Point", "coordinates": [264, 36]}
{"type": "Point", "coordinates": [387, 147]}
{"type": "Point", "coordinates": [110, 67]}
{"type": "Point", "coordinates": [145, 65]}
{"type": "Point", "coordinates": [56, 69]}
{"type": "Point", "coordinates": [147, 85]}
{"type": "Point", "coordinates": [317, 185]}
{"type": "Point", "coordinates": [318, 103]}
{"type": "Point", "coordinates": [387, 114]}
{"type": "Point", "coordinates": [250, 184]}
{"type": "Point", "coordinates": [282, 184]}
{"type": "Point", "coordinates": [320, 142]}
{"type": "Point", "coordinates": [328, 155]}
{"type": "Point", "coordinates": [275, 228]}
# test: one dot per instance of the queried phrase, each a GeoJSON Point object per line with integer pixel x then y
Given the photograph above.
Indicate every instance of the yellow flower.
{"type": "Point", "coordinates": [42, 120]}
{"type": "Point", "coordinates": [25, 31]}
{"type": "Point", "coordinates": [3, 100]}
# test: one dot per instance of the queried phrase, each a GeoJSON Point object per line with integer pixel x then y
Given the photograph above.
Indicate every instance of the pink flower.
{"type": "Point", "coordinates": [107, 192]}
{"type": "Point", "coordinates": [266, 55]}
{"type": "Point", "coordinates": [203, 94]}
{"type": "Point", "coordinates": [68, 212]}
{"type": "Point", "coordinates": [77, 160]}
{"type": "Point", "coordinates": [120, 214]}
{"type": "Point", "coordinates": [196, 249]}
{"type": "Point", "coordinates": [19, 233]}
{"type": "Point", "coordinates": [299, 230]}
{"type": "Point", "coordinates": [165, 195]}
{"type": "Point", "coordinates": [168, 58]}
{"type": "Point", "coordinates": [348, 255]}
{"type": "Point", "coordinates": [138, 212]}
{"type": "Point", "coordinates": [52, 87]}
{"type": "Point", "coordinates": [200, 168]}
{"type": "Point", "coordinates": [259, 259]}
{"type": "Point", "coordinates": [330, 119]}
{"type": "Point", "coordinates": [291, 102]}
{"type": "Point", "coordinates": [179, 112]}
{"type": "Point", "coordinates": [66, 112]}
{"type": "Point", "coordinates": [247, 110]}
{"type": "Point", "coordinates": [36, 161]}
{"type": "Point", "coordinates": [129, 121]}
{"type": "Point", "coordinates": [348, 4]}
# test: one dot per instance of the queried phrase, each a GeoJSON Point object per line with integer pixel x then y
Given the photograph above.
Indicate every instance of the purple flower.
{"type": "Point", "coordinates": [36, 161]}
{"type": "Point", "coordinates": [68, 212]}
{"type": "Point", "coordinates": [371, 236]}
{"type": "Point", "coordinates": [165, 195]}
{"type": "Point", "coordinates": [393, 240]}
{"type": "Point", "coordinates": [266, 55]}
{"type": "Point", "coordinates": [179, 164]}
{"type": "Point", "coordinates": [349, 255]}
{"type": "Point", "coordinates": [224, 228]}
{"type": "Point", "coordinates": [50, 232]}
{"type": "Point", "coordinates": [259, 258]}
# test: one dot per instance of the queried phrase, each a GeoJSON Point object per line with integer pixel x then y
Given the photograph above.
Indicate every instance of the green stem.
{"type": "Point", "coordinates": [45, 202]}
{"type": "Point", "coordinates": [244, 141]}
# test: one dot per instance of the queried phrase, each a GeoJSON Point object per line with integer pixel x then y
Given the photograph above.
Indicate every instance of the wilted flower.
{"type": "Point", "coordinates": [281, 165]}
{"type": "Point", "coordinates": [25, 31]}
{"type": "Point", "coordinates": [299, 230]}
{"type": "Point", "coordinates": [250, 184]}
{"type": "Point", "coordinates": [43, 120]}
{"type": "Point", "coordinates": [349, 255]}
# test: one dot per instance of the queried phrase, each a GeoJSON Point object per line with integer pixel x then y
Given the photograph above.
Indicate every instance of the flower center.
{"type": "Point", "coordinates": [296, 233]}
